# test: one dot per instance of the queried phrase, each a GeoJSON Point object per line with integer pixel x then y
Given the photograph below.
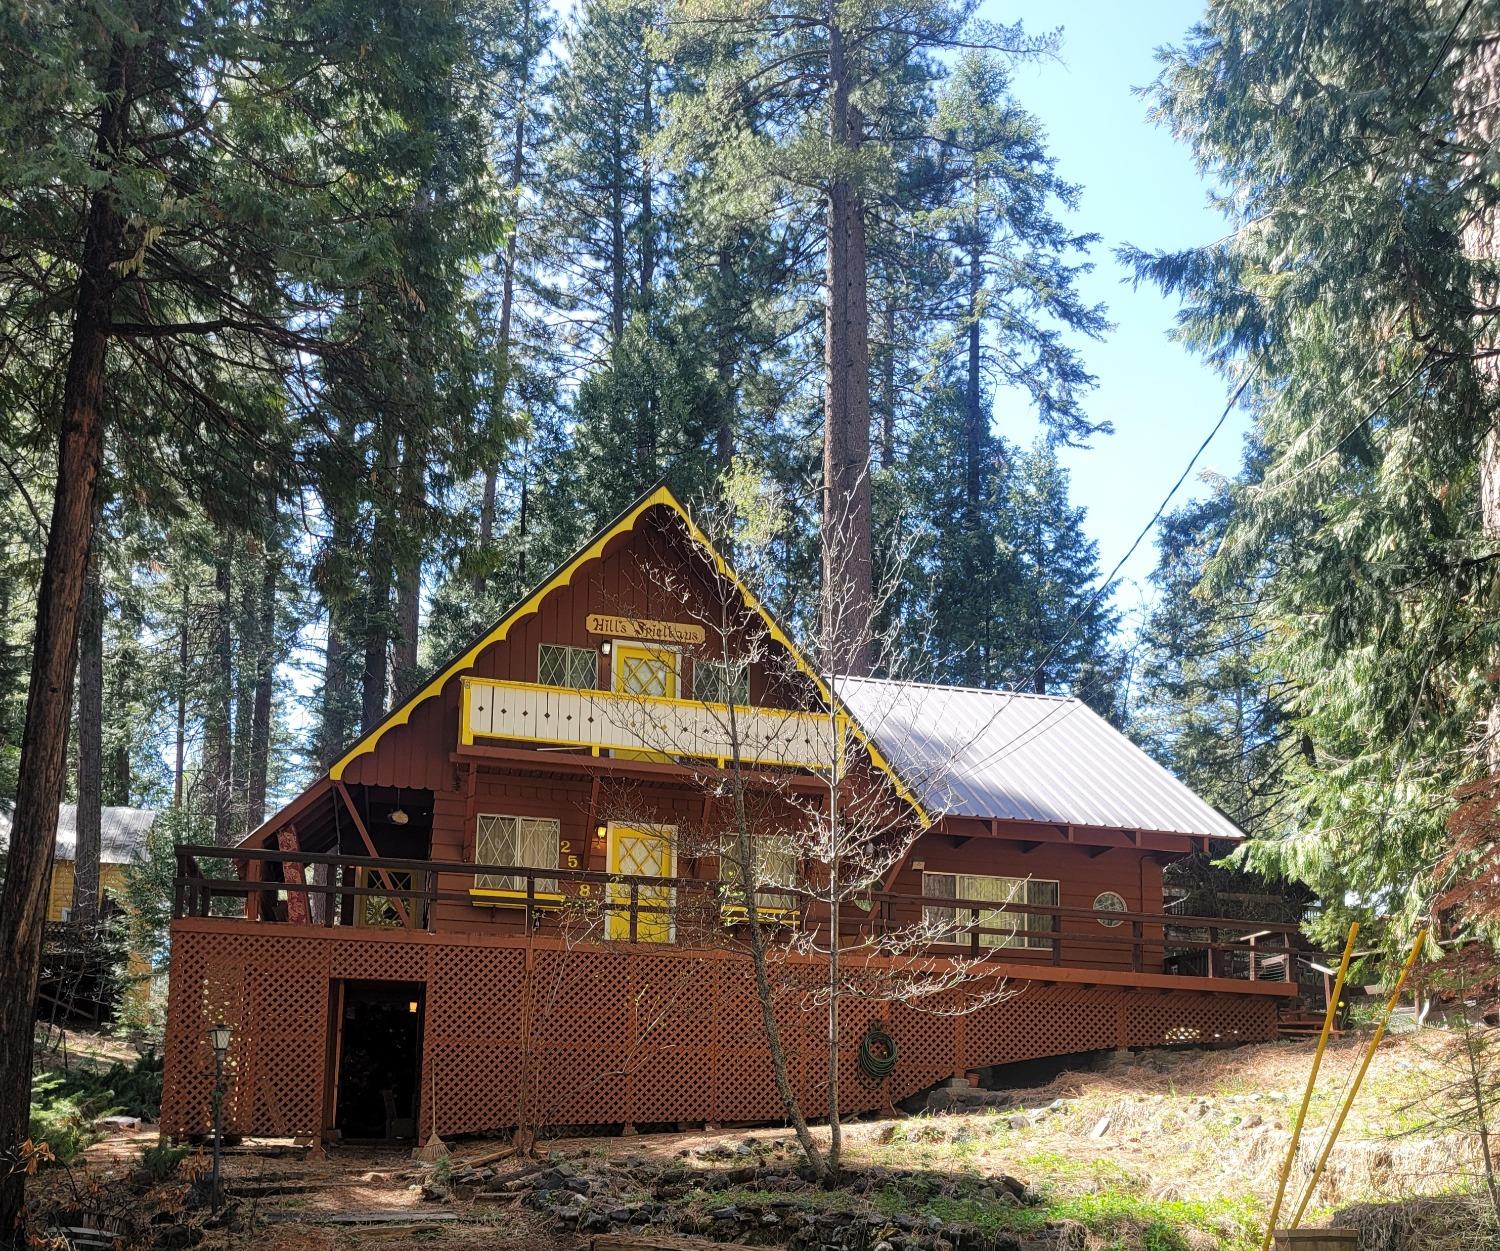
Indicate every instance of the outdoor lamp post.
{"type": "Point", "coordinates": [218, 1039]}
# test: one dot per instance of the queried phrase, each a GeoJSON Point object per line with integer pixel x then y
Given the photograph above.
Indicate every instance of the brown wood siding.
{"type": "Point", "coordinates": [639, 574]}
{"type": "Point", "coordinates": [1133, 874]}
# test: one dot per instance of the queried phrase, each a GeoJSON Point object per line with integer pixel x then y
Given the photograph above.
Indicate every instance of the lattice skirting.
{"type": "Point", "coordinates": [607, 1036]}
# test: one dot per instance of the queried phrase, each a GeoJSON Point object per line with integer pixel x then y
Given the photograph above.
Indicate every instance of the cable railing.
{"type": "Point", "coordinates": [272, 886]}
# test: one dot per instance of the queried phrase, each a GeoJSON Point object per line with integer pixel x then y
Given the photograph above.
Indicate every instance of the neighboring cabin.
{"type": "Point", "coordinates": [73, 989]}
{"type": "Point", "coordinates": [122, 835]}
{"type": "Point", "coordinates": [508, 898]}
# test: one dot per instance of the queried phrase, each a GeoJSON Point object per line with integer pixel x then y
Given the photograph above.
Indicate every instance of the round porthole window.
{"type": "Point", "coordinates": [1109, 901]}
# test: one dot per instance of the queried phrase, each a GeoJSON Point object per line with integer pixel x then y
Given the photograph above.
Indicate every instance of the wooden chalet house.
{"type": "Point", "coordinates": [516, 901]}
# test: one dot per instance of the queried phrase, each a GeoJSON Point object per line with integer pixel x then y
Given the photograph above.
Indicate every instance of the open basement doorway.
{"type": "Point", "coordinates": [378, 1056]}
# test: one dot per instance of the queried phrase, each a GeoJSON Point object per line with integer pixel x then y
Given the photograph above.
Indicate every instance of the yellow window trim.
{"type": "Point", "coordinates": [735, 914]}
{"type": "Point", "coordinates": [664, 498]}
{"type": "Point", "coordinates": [485, 897]}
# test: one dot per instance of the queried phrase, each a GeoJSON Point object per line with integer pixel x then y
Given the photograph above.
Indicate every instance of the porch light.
{"type": "Point", "coordinates": [919, 865]}
{"type": "Point", "coordinates": [398, 816]}
{"type": "Point", "coordinates": [218, 1039]}
{"type": "Point", "coordinates": [411, 1006]}
{"type": "Point", "coordinates": [601, 833]}
{"type": "Point", "coordinates": [604, 647]}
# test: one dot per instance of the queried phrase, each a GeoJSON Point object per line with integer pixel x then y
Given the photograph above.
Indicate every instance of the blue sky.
{"type": "Point", "coordinates": [1140, 187]}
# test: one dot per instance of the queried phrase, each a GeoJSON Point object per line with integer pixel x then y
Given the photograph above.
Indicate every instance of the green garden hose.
{"type": "Point", "coordinates": [877, 1053]}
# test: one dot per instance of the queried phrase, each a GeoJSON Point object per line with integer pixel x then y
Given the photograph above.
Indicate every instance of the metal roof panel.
{"type": "Point", "coordinates": [1014, 756]}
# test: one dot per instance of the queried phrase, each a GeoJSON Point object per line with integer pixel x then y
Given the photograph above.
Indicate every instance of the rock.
{"type": "Point", "coordinates": [1101, 1127]}
{"type": "Point", "coordinates": [1021, 1122]}
{"type": "Point", "coordinates": [727, 1213]}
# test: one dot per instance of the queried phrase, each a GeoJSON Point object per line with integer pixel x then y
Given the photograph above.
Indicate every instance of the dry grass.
{"type": "Point", "coordinates": [1191, 1146]}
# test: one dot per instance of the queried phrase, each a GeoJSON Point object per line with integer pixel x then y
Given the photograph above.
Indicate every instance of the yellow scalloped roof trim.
{"type": "Point", "coordinates": [662, 497]}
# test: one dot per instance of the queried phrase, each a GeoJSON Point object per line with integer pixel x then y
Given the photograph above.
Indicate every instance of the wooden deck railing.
{"type": "Point", "coordinates": [256, 885]}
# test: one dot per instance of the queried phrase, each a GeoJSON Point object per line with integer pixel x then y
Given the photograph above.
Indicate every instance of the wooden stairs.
{"type": "Point", "coordinates": [1298, 1020]}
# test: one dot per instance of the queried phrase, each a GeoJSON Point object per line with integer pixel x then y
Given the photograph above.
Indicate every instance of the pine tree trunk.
{"type": "Point", "coordinates": [409, 573]}
{"type": "Point", "coordinates": [507, 301]}
{"type": "Point", "coordinates": [340, 605]}
{"type": "Point", "coordinates": [217, 730]}
{"type": "Point", "coordinates": [117, 777]}
{"type": "Point", "coordinates": [44, 741]}
{"type": "Point", "coordinates": [337, 692]}
{"type": "Point", "coordinates": [179, 760]}
{"type": "Point", "coordinates": [888, 389]}
{"type": "Point", "coordinates": [616, 242]}
{"type": "Point", "coordinates": [375, 676]}
{"type": "Point", "coordinates": [88, 814]}
{"type": "Point", "coordinates": [847, 575]}
{"type": "Point", "coordinates": [1479, 89]}
{"type": "Point", "coordinates": [975, 426]}
{"type": "Point", "coordinates": [725, 347]}
{"type": "Point", "coordinates": [975, 548]}
{"type": "Point", "coordinates": [645, 438]}
{"type": "Point", "coordinates": [523, 519]}
{"type": "Point", "coordinates": [265, 678]}
{"type": "Point", "coordinates": [248, 622]}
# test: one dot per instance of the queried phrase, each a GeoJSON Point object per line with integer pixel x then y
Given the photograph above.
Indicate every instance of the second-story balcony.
{"type": "Point", "coordinates": [607, 721]}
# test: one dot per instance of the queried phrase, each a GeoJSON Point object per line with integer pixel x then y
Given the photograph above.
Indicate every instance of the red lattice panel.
{"type": "Point", "coordinates": [610, 1036]}
{"type": "Point", "coordinates": [1185, 1017]}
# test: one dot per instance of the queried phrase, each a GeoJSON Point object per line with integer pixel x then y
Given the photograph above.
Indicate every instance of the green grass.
{"type": "Point", "coordinates": [1116, 1218]}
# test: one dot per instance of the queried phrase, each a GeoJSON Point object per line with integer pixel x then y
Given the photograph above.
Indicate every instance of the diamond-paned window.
{"type": "Point", "coordinates": [525, 842]}
{"type": "Point", "coordinates": [576, 668]}
{"type": "Point", "coordinates": [719, 682]}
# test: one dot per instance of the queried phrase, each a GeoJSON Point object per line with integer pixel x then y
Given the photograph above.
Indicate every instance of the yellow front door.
{"type": "Point", "coordinates": [646, 672]}
{"type": "Point", "coordinates": [641, 851]}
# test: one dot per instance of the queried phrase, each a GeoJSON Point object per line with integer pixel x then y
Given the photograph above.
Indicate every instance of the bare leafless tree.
{"type": "Point", "coordinates": [812, 823]}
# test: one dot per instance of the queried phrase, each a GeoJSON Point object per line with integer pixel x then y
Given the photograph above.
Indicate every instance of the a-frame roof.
{"type": "Point", "coordinates": [660, 496]}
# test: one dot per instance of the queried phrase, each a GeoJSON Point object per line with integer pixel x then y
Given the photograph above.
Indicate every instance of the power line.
{"type": "Point", "coordinates": [1033, 731]}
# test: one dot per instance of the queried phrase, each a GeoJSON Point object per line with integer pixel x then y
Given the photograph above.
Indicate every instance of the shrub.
{"type": "Point", "coordinates": [62, 1119]}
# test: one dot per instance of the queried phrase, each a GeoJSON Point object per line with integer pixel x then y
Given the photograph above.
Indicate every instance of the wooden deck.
{"type": "Point", "coordinates": [557, 1025]}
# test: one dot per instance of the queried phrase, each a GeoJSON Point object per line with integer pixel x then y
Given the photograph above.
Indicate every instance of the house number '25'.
{"type": "Point", "coordinates": [565, 850]}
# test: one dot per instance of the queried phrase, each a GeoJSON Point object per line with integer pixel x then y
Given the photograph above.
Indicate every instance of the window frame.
{"type": "Point", "coordinates": [507, 886]}
{"type": "Point", "coordinates": [721, 669]}
{"type": "Point", "coordinates": [571, 655]}
{"type": "Point", "coordinates": [769, 902]}
{"type": "Point", "coordinates": [990, 918]}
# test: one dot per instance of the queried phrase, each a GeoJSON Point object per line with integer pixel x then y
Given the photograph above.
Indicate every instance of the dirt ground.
{"type": "Point", "coordinates": [1206, 1129]}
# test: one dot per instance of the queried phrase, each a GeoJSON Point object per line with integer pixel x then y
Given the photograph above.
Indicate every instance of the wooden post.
{"type": "Point", "coordinates": [1137, 953]}
{"type": "Point", "coordinates": [635, 896]}
{"type": "Point", "coordinates": [364, 837]}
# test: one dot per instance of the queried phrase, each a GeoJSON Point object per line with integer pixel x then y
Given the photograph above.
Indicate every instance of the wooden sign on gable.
{"type": "Point", "coordinates": [639, 628]}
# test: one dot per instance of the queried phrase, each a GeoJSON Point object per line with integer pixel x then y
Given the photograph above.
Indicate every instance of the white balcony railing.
{"type": "Point", "coordinates": [605, 721]}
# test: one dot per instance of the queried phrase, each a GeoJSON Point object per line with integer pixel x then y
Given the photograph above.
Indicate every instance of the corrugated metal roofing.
{"type": "Point", "coordinates": [121, 831]}
{"type": "Point", "coordinates": [1015, 756]}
